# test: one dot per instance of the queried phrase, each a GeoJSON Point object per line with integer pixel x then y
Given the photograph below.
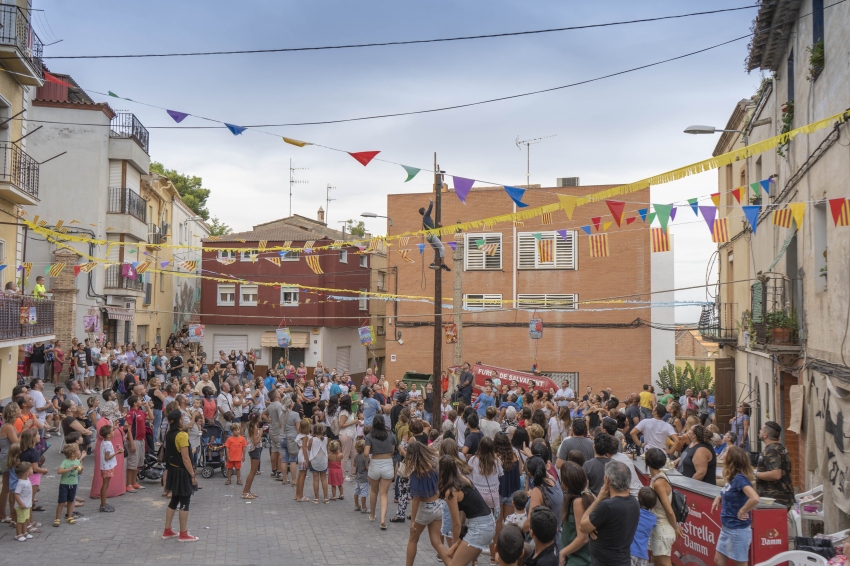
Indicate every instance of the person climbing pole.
{"type": "Point", "coordinates": [439, 249]}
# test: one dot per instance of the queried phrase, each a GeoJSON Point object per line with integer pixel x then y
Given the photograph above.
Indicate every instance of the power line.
{"type": "Point", "coordinates": [397, 43]}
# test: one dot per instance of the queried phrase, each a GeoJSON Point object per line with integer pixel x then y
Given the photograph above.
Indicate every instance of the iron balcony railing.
{"type": "Point", "coordinates": [19, 169]}
{"type": "Point", "coordinates": [772, 306]}
{"type": "Point", "coordinates": [126, 125]}
{"type": "Point", "coordinates": [126, 201]}
{"type": "Point", "coordinates": [717, 323]}
{"type": "Point", "coordinates": [114, 280]}
{"type": "Point", "coordinates": [15, 30]}
{"type": "Point", "coordinates": [25, 317]}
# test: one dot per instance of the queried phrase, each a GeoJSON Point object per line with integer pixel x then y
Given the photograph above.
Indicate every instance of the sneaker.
{"type": "Point", "coordinates": [186, 537]}
{"type": "Point", "coordinates": [137, 486]}
{"type": "Point", "coordinates": [168, 533]}
{"type": "Point", "coordinates": [130, 489]}
{"type": "Point", "coordinates": [445, 267]}
{"type": "Point", "coordinates": [46, 435]}
{"type": "Point", "coordinates": [434, 266]}
{"type": "Point", "coordinates": [357, 509]}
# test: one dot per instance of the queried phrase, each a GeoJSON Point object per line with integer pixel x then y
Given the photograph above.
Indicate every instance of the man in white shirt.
{"type": "Point", "coordinates": [488, 425]}
{"type": "Point", "coordinates": [564, 395]}
{"type": "Point", "coordinates": [40, 404]}
{"type": "Point", "coordinates": [225, 404]}
{"type": "Point", "coordinates": [655, 431]}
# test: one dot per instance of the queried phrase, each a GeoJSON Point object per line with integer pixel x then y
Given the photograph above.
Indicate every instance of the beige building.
{"type": "Point", "coordinates": [380, 283]}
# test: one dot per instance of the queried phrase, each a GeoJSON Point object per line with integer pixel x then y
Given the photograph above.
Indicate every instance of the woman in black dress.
{"type": "Point", "coordinates": [180, 481]}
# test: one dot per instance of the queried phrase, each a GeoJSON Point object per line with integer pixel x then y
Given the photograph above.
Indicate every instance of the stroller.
{"type": "Point", "coordinates": [153, 465]}
{"type": "Point", "coordinates": [212, 451]}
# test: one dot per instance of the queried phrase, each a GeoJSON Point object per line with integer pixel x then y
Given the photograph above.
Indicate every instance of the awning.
{"type": "Point", "coordinates": [118, 313]}
{"type": "Point", "coordinates": [299, 340]}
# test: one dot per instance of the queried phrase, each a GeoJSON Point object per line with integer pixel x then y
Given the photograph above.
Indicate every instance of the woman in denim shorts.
{"type": "Point", "coordinates": [426, 508]}
{"type": "Point", "coordinates": [462, 497]}
{"type": "Point", "coordinates": [736, 500]}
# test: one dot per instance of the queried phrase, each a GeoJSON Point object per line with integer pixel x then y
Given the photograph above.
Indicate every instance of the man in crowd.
{"type": "Point", "coordinates": [578, 441]}
{"type": "Point", "coordinates": [277, 417]}
{"type": "Point", "coordinates": [40, 405]}
{"type": "Point", "coordinates": [633, 416]}
{"type": "Point", "coordinates": [564, 395]}
{"type": "Point", "coordinates": [27, 418]}
{"type": "Point", "coordinates": [37, 360]}
{"type": "Point", "coordinates": [464, 386]}
{"type": "Point", "coordinates": [203, 382]}
{"type": "Point", "coordinates": [604, 446]}
{"type": "Point", "coordinates": [176, 364]}
{"type": "Point", "coordinates": [645, 402]}
{"type": "Point", "coordinates": [72, 386]}
{"type": "Point", "coordinates": [614, 517]}
{"type": "Point", "coordinates": [483, 402]}
{"type": "Point", "coordinates": [489, 425]}
{"type": "Point", "coordinates": [226, 407]}
{"type": "Point", "coordinates": [773, 473]}
{"type": "Point", "coordinates": [655, 432]}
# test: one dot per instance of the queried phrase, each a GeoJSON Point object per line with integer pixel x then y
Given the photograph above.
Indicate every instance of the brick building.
{"type": "Point", "coordinates": [609, 348]}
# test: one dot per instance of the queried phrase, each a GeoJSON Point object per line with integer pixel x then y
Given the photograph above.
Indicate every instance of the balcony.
{"type": "Point", "coordinates": [774, 318]}
{"type": "Point", "coordinates": [18, 175]}
{"type": "Point", "coordinates": [20, 47]}
{"type": "Point", "coordinates": [114, 280]}
{"type": "Point", "coordinates": [717, 323]}
{"type": "Point", "coordinates": [126, 201]}
{"type": "Point", "coordinates": [126, 126]}
{"type": "Point", "coordinates": [22, 319]}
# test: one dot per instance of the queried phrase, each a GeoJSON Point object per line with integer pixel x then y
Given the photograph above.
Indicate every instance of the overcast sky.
{"type": "Point", "coordinates": [612, 131]}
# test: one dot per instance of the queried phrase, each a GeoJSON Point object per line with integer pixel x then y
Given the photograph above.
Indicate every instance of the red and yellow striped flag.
{"type": "Point", "coordinates": [546, 218]}
{"type": "Point", "coordinates": [489, 249]}
{"type": "Point", "coordinates": [721, 231]}
{"type": "Point", "coordinates": [402, 241]}
{"type": "Point", "coordinates": [309, 245]}
{"type": "Point", "coordinates": [56, 269]}
{"type": "Point", "coordinates": [59, 225]}
{"type": "Point", "coordinates": [142, 267]}
{"type": "Point", "coordinates": [546, 251]}
{"type": "Point", "coordinates": [660, 240]}
{"type": "Point", "coordinates": [275, 260]}
{"type": "Point", "coordinates": [313, 262]}
{"type": "Point", "coordinates": [188, 265]}
{"type": "Point", "coordinates": [840, 208]}
{"type": "Point", "coordinates": [599, 245]}
{"type": "Point", "coordinates": [404, 255]}
{"type": "Point", "coordinates": [262, 245]}
{"type": "Point", "coordinates": [519, 224]}
{"type": "Point", "coordinates": [87, 267]}
{"type": "Point", "coordinates": [782, 218]}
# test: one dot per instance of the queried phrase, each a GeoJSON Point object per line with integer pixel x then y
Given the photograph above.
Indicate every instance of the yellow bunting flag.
{"type": "Point", "coordinates": [75, 222]}
{"type": "Point", "coordinates": [798, 209]}
{"type": "Point", "coordinates": [545, 251]}
{"type": "Point", "coordinates": [782, 218]}
{"type": "Point", "coordinates": [546, 218]}
{"type": "Point", "coordinates": [254, 257]}
{"type": "Point", "coordinates": [721, 231]}
{"type": "Point", "coordinates": [275, 260]}
{"type": "Point", "coordinates": [87, 267]}
{"type": "Point", "coordinates": [606, 226]}
{"type": "Point", "coordinates": [59, 225]}
{"type": "Point", "coordinates": [297, 143]}
{"type": "Point", "coordinates": [404, 255]}
{"type": "Point", "coordinates": [599, 245]}
{"type": "Point", "coordinates": [660, 240]}
{"type": "Point", "coordinates": [307, 300]}
{"type": "Point", "coordinates": [715, 198]}
{"type": "Point", "coordinates": [56, 269]}
{"type": "Point", "coordinates": [262, 245]}
{"type": "Point", "coordinates": [142, 267]}
{"type": "Point", "coordinates": [35, 219]}
{"type": "Point", "coordinates": [489, 249]}
{"type": "Point", "coordinates": [313, 262]}
{"type": "Point", "coordinates": [568, 203]}
{"type": "Point", "coordinates": [188, 265]}
{"type": "Point", "coordinates": [27, 267]}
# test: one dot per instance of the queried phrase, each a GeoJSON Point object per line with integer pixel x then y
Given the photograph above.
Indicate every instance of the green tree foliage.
{"type": "Point", "coordinates": [218, 228]}
{"type": "Point", "coordinates": [681, 379]}
{"type": "Point", "coordinates": [189, 187]}
{"type": "Point", "coordinates": [355, 228]}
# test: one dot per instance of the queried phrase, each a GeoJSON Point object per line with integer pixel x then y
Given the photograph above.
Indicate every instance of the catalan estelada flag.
{"type": "Point", "coordinates": [660, 240]}
{"type": "Point", "coordinates": [404, 254]}
{"type": "Point", "coordinates": [840, 208]}
{"type": "Point", "coordinates": [87, 267]}
{"type": "Point", "coordinates": [313, 262]}
{"type": "Point", "coordinates": [27, 267]}
{"type": "Point", "coordinates": [262, 244]}
{"type": "Point", "coordinates": [489, 249]}
{"type": "Point", "coordinates": [721, 231]}
{"type": "Point", "coordinates": [782, 218]}
{"type": "Point", "coordinates": [56, 269]}
{"type": "Point", "coordinates": [189, 265]}
{"type": "Point", "coordinates": [546, 251]}
{"type": "Point", "coordinates": [274, 260]}
{"type": "Point", "coordinates": [599, 245]}
{"type": "Point", "coordinates": [546, 218]}
{"type": "Point", "coordinates": [142, 267]}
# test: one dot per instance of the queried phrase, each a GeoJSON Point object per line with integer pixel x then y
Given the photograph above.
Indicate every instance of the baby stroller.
{"type": "Point", "coordinates": [212, 451]}
{"type": "Point", "coordinates": [152, 467]}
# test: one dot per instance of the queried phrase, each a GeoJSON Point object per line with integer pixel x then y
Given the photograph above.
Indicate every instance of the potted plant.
{"type": "Point", "coordinates": [782, 327]}
{"type": "Point", "coordinates": [817, 59]}
{"type": "Point", "coordinates": [787, 122]}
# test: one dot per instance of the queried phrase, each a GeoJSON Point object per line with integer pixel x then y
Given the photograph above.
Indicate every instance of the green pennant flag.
{"type": "Point", "coordinates": [650, 217]}
{"type": "Point", "coordinates": [662, 212]}
{"type": "Point", "coordinates": [110, 93]}
{"type": "Point", "coordinates": [411, 172]}
{"type": "Point", "coordinates": [694, 202]}
{"type": "Point", "coordinates": [47, 270]}
{"type": "Point", "coordinates": [480, 243]}
{"type": "Point", "coordinates": [538, 236]}
{"type": "Point", "coordinates": [756, 188]}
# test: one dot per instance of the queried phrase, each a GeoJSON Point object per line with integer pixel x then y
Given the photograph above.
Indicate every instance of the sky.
{"type": "Point", "coordinates": [616, 130]}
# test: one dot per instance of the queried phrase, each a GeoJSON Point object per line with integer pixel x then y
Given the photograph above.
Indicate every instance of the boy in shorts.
{"type": "Point", "coordinates": [23, 500]}
{"type": "Point", "coordinates": [361, 477]}
{"type": "Point", "coordinates": [69, 469]}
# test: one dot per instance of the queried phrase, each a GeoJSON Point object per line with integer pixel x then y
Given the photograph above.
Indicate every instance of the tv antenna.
{"type": "Point", "coordinates": [294, 181]}
{"type": "Point", "coordinates": [528, 144]}
{"type": "Point", "coordinates": [328, 201]}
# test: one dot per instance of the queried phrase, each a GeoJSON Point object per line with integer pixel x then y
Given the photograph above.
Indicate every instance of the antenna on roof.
{"type": "Point", "coordinates": [528, 144]}
{"type": "Point", "coordinates": [328, 201]}
{"type": "Point", "coordinates": [294, 181]}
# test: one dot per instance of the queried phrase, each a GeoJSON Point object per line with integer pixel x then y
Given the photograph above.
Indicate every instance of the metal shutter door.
{"type": "Point", "coordinates": [343, 358]}
{"type": "Point", "coordinates": [115, 173]}
{"type": "Point", "coordinates": [228, 342]}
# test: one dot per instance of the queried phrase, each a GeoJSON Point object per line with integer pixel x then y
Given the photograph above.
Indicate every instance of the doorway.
{"type": "Point", "coordinates": [296, 356]}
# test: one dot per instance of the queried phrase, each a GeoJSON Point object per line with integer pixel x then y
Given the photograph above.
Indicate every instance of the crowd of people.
{"type": "Point", "coordinates": [534, 477]}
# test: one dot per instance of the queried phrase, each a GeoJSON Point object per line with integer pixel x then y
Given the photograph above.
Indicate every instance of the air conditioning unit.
{"type": "Point", "coordinates": [567, 182]}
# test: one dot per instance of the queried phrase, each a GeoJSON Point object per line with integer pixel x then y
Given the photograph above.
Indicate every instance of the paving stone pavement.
{"type": "Point", "coordinates": [270, 530]}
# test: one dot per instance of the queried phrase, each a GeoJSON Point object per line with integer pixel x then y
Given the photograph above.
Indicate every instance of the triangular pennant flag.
{"type": "Point", "coordinates": [87, 267]}
{"type": "Point", "coordinates": [737, 193]}
{"type": "Point", "coordinates": [110, 93]}
{"type": "Point", "coordinates": [404, 254]}
{"type": "Point", "coordinates": [606, 226]}
{"type": "Point", "coordinates": [765, 186]}
{"type": "Point", "coordinates": [694, 206]}
{"type": "Point", "coordinates": [752, 214]}
{"type": "Point", "coordinates": [135, 264]}
{"type": "Point", "coordinates": [599, 245]}
{"type": "Point", "coordinates": [516, 195]}
{"type": "Point", "coordinates": [177, 116]}
{"type": "Point", "coordinates": [756, 188]}
{"type": "Point", "coordinates": [617, 207]}
{"type": "Point", "coordinates": [297, 143]}
{"type": "Point", "coordinates": [77, 269]}
{"type": "Point", "coordinates": [720, 234]}
{"type": "Point", "coordinates": [59, 225]}
{"type": "Point", "coordinates": [715, 198]}
{"type": "Point", "coordinates": [650, 217]}
{"type": "Point", "coordinates": [782, 218]}
{"type": "Point", "coordinates": [462, 187]}
{"type": "Point", "coordinates": [660, 240]}
{"type": "Point", "coordinates": [586, 230]}
{"type": "Point", "coordinates": [537, 236]}
{"type": "Point", "coordinates": [164, 264]}
{"type": "Point", "coordinates": [673, 214]}
{"type": "Point", "coordinates": [562, 233]}
{"type": "Point", "coordinates": [364, 157]}
{"type": "Point", "coordinates": [479, 242]}
{"type": "Point", "coordinates": [596, 221]}
{"type": "Point", "coordinates": [411, 172]}
{"type": "Point", "coordinates": [568, 203]}
{"type": "Point", "coordinates": [27, 267]}
{"type": "Point", "coordinates": [798, 209]}
{"type": "Point", "coordinates": [662, 212]}
{"type": "Point", "coordinates": [630, 219]}
{"type": "Point", "coordinates": [642, 212]}
{"type": "Point", "coordinates": [490, 249]}
{"type": "Point", "coordinates": [422, 248]}
{"type": "Point", "coordinates": [708, 214]}
{"type": "Point", "coordinates": [274, 260]}
{"type": "Point", "coordinates": [235, 130]}
{"type": "Point", "coordinates": [189, 265]}
{"type": "Point", "coordinates": [453, 245]}
{"type": "Point", "coordinates": [51, 79]}
{"type": "Point", "coordinates": [253, 257]}
{"type": "Point", "coordinates": [840, 208]}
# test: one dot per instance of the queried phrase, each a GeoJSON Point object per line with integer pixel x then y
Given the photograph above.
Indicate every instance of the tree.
{"type": "Point", "coordinates": [218, 228]}
{"type": "Point", "coordinates": [188, 187]}
{"type": "Point", "coordinates": [680, 380]}
{"type": "Point", "coordinates": [355, 228]}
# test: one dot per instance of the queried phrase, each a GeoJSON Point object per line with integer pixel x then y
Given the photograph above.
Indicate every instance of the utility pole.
{"type": "Point", "coordinates": [528, 144]}
{"type": "Point", "coordinates": [438, 301]}
{"type": "Point", "coordinates": [294, 181]}
{"type": "Point", "coordinates": [457, 303]}
{"type": "Point", "coordinates": [328, 200]}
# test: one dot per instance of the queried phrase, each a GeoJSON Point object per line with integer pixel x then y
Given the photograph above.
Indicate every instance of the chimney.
{"type": "Point", "coordinates": [321, 215]}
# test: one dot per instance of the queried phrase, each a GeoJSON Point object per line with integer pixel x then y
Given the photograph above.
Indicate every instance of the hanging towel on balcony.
{"type": "Point", "coordinates": [128, 271]}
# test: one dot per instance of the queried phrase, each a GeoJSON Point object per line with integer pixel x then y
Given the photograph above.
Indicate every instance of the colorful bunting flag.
{"type": "Point", "coordinates": [660, 240]}
{"type": "Point", "coordinates": [840, 208]}
{"type": "Point", "coordinates": [142, 267]}
{"type": "Point", "coordinates": [662, 212]}
{"type": "Point", "coordinates": [262, 245]}
{"type": "Point", "coordinates": [364, 157]}
{"type": "Point", "coordinates": [597, 220]}
{"type": "Point", "coordinates": [738, 193]}
{"type": "Point", "coordinates": [297, 143]}
{"type": "Point", "coordinates": [756, 188]}
{"type": "Point", "coordinates": [546, 218]}
{"type": "Point", "coordinates": [411, 172]}
{"type": "Point", "coordinates": [752, 214]}
{"type": "Point", "coordinates": [708, 214]}
{"type": "Point", "coordinates": [309, 245]}
{"type": "Point", "coordinates": [27, 267]}
{"type": "Point", "coordinates": [164, 264]}
{"type": "Point", "coordinates": [586, 230]}
{"type": "Point", "coordinates": [313, 262]}
{"type": "Point", "coordinates": [537, 236]}
{"type": "Point", "coordinates": [516, 195]}
{"type": "Point", "coordinates": [642, 212]}
{"type": "Point", "coordinates": [453, 245]}
{"type": "Point", "coordinates": [421, 248]}
{"type": "Point", "coordinates": [51, 79]}
{"type": "Point", "coordinates": [782, 218]}
{"type": "Point", "coordinates": [518, 224]}
{"type": "Point", "coordinates": [35, 219]}
{"type": "Point", "coordinates": [59, 225]}
{"type": "Point", "coordinates": [253, 257]}
{"type": "Point", "coordinates": [226, 260]}
{"type": "Point", "coordinates": [630, 219]}
{"type": "Point", "coordinates": [404, 255]}
{"type": "Point", "coordinates": [715, 198]}
{"type": "Point", "coordinates": [235, 130]}
{"type": "Point", "coordinates": [568, 203]}
{"type": "Point", "coordinates": [617, 208]}
{"type": "Point", "coordinates": [545, 251]}
{"type": "Point", "coordinates": [403, 240]}
{"type": "Point", "coordinates": [607, 225]}
{"type": "Point", "coordinates": [87, 267]}
{"type": "Point", "coordinates": [673, 214]}
{"type": "Point", "coordinates": [462, 187]}
{"type": "Point", "coordinates": [287, 244]}
{"type": "Point", "coordinates": [177, 116]}
{"type": "Point", "coordinates": [798, 209]}
{"type": "Point", "coordinates": [42, 223]}
{"type": "Point", "coordinates": [189, 265]}
{"type": "Point", "coordinates": [76, 269]}
{"type": "Point", "coordinates": [563, 234]}
{"type": "Point", "coordinates": [720, 234]}
{"type": "Point", "coordinates": [694, 206]}
{"type": "Point", "coordinates": [274, 260]}
{"type": "Point", "coordinates": [55, 269]}
{"type": "Point", "coordinates": [765, 185]}
{"type": "Point", "coordinates": [599, 245]}
{"type": "Point", "coordinates": [489, 249]}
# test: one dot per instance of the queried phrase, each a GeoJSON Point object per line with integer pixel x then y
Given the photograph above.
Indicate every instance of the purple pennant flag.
{"type": "Point", "coordinates": [673, 214]}
{"type": "Point", "coordinates": [128, 271]}
{"type": "Point", "coordinates": [178, 116]}
{"type": "Point", "coordinates": [453, 245]}
{"type": "Point", "coordinates": [163, 264]}
{"type": "Point", "coordinates": [708, 214]}
{"type": "Point", "coordinates": [462, 187]}
{"type": "Point", "coordinates": [563, 234]}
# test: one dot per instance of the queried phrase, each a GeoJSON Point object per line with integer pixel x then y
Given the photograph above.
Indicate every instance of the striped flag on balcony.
{"type": "Point", "coordinates": [546, 250]}
{"type": "Point", "coordinates": [782, 218]}
{"type": "Point", "coordinates": [721, 231]}
{"type": "Point", "coordinates": [660, 240]}
{"type": "Point", "coordinates": [87, 267]}
{"type": "Point", "coordinates": [59, 225]}
{"type": "Point", "coordinates": [546, 218]}
{"type": "Point", "coordinates": [189, 265]}
{"type": "Point", "coordinates": [489, 249]}
{"type": "Point", "coordinates": [599, 245]}
{"type": "Point", "coordinates": [142, 267]}
{"type": "Point", "coordinates": [262, 245]}
{"type": "Point", "coordinates": [55, 269]}
{"type": "Point", "coordinates": [274, 260]}
{"type": "Point", "coordinates": [404, 255]}
{"type": "Point", "coordinates": [313, 262]}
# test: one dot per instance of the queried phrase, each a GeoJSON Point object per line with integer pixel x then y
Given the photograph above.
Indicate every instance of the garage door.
{"type": "Point", "coordinates": [228, 342]}
{"type": "Point", "coordinates": [343, 358]}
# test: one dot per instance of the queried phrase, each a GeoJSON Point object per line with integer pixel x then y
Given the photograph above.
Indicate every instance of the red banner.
{"type": "Point", "coordinates": [501, 376]}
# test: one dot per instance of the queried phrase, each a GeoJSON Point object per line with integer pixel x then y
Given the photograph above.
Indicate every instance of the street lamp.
{"type": "Point", "coordinates": [698, 129]}
{"type": "Point", "coordinates": [373, 215]}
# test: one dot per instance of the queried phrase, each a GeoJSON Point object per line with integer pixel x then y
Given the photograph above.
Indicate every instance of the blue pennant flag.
{"type": "Point", "coordinates": [642, 212]}
{"type": "Point", "coordinates": [765, 185]}
{"type": "Point", "coordinates": [752, 214]}
{"type": "Point", "coordinates": [694, 205]}
{"type": "Point", "coordinates": [516, 195]}
{"type": "Point", "coordinates": [235, 130]}
{"type": "Point", "coordinates": [421, 248]}
{"type": "Point", "coordinates": [586, 230]}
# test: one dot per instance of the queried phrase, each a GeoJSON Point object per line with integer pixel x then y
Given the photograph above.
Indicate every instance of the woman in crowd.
{"type": "Point", "coordinates": [698, 461]}
{"type": "Point", "coordinates": [546, 492]}
{"type": "Point", "coordinates": [8, 436]}
{"type": "Point", "coordinates": [462, 497]}
{"type": "Point", "coordinates": [380, 445]}
{"type": "Point", "coordinates": [158, 398]}
{"type": "Point", "coordinates": [426, 508]}
{"type": "Point", "coordinates": [180, 478]}
{"type": "Point", "coordinates": [676, 418]}
{"type": "Point", "coordinates": [577, 498]}
{"type": "Point", "coordinates": [741, 424]}
{"type": "Point", "coordinates": [486, 471]}
{"type": "Point", "coordinates": [347, 432]}
{"type": "Point", "coordinates": [736, 500]}
{"type": "Point", "coordinates": [729, 439]}
{"type": "Point", "coordinates": [668, 395]}
{"type": "Point", "coordinates": [109, 415]}
{"type": "Point", "coordinates": [59, 361]}
{"type": "Point", "coordinates": [560, 427]}
{"type": "Point", "coordinates": [509, 481]}
{"type": "Point", "coordinates": [666, 528]}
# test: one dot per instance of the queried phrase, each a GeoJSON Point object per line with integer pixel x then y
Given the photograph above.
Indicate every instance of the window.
{"type": "Point", "coordinates": [291, 255]}
{"type": "Point", "coordinates": [162, 283]}
{"type": "Point", "coordinates": [477, 259]}
{"type": "Point", "coordinates": [547, 302]}
{"type": "Point", "coordinates": [563, 256]}
{"type": "Point", "coordinates": [790, 73]}
{"type": "Point", "coordinates": [817, 21]}
{"type": "Point", "coordinates": [363, 301]}
{"type": "Point", "coordinates": [382, 281]}
{"type": "Point", "coordinates": [343, 256]}
{"type": "Point", "coordinates": [227, 254]}
{"type": "Point", "coordinates": [148, 292]}
{"type": "Point", "coordinates": [289, 296]}
{"type": "Point", "coordinates": [364, 260]}
{"type": "Point", "coordinates": [180, 231]}
{"type": "Point", "coordinates": [482, 302]}
{"type": "Point", "coordinates": [249, 295]}
{"type": "Point", "coordinates": [226, 295]}
{"type": "Point", "coordinates": [245, 256]}
{"type": "Point", "coordinates": [381, 330]}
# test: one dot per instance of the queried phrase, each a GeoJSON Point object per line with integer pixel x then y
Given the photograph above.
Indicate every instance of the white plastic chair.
{"type": "Point", "coordinates": [797, 513]}
{"type": "Point", "coordinates": [797, 557]}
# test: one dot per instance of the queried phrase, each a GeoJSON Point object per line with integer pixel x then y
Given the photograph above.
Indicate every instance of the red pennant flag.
{"type": "Point", "coordinates": [596, 220]}
{"type": "Point", "coordinates": [51, 79]}
{"type": "Point", "coordinates": [364, 157]}
{"type": "Point", "coordinates": [737, 194]}
{"type": "Point", "coordinates": [616, 207]}
{"type": "Point", "coordinates": [840, 208]}
{"type": "Point", "coordinates": [76, 267]}
{"type": "Point", "coordinates": [630, 220]}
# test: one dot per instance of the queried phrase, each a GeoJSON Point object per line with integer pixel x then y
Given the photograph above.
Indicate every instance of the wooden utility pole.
{"type": "Point", "coordinates": [457, 302]}
{"type": "Point", "coordinates": [438, 303]}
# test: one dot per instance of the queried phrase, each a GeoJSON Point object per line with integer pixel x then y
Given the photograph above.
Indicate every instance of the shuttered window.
{"type": "Point", "coordinates": [564, 256]}
{"type": "Point", "coordinates": [116, 177]}
{"type": "Point", "coordinates": [343, 359]}
{"type": "Point", "coordinates": [134, 179]}
{"type": "Point", "coordinates": [547, 302]}
{"type": "Point", "coordinates": [482, 302]}
{"type": "Point", "coordinates": [226, 295]}
{"type": "Point", "coordinates": [476, 259]}
{"type": "Point", "coordinates": [248, 295]}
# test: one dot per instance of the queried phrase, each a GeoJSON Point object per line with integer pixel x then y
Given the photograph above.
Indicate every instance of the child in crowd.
{"type": "Point", "coordinates": [107, 464]}
{"type": "Point", "coordinates": [58, 398]}
{"type": "Point", "coordinates": [234, 448]}
{"type": "Point", "coordinates": [335, 477]}
{"type": "Point", "coordinates": [317, 450]}
{"type": "Point", "coordinates": [640, 542]}
{"type": "Point", "coordinates": [520, 499]}
{"type": "Point", "coordinates": [319, 413]}
{"type": "Point", "coordinates": [433, 435]}
{"type": "Point", "coordinates": [543, 528]}
{"type": "Point", "coordinates": [360, 435]}
{"type": "Point", "coordinates": [69, 469]}
{"type": "Point", "coordinates": [303, 459]}
{"type": "Point", "coordinates": [29, 453]}
{"type": "Point", "coordinates": [510, 547]}
{"type": "Point", "coordinates": [361, 477]}
{"type": "Point", "coordinates": [23, 500]}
